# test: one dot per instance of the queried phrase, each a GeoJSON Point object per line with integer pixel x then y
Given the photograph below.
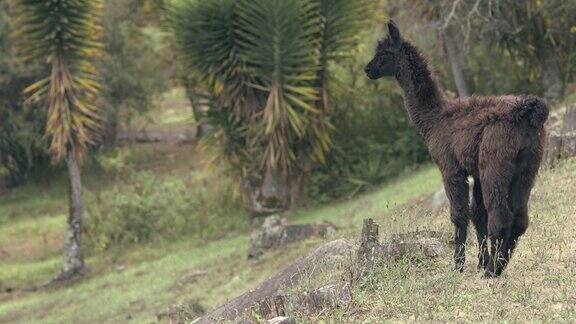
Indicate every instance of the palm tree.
{"type": "Point", "coordinates": [63, 34]}
{"type": "Point", "coordinates": [267, 63]}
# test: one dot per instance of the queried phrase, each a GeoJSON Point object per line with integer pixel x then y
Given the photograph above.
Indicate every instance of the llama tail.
{"type": "Point", "coordinates": [532, 109]}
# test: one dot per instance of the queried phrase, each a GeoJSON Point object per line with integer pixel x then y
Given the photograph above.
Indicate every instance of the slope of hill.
{"type": "Point", "coordinates": [139, 284]}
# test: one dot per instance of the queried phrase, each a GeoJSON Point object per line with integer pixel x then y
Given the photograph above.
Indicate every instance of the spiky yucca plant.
{"type": "Point", "coordinates": [64, 35]}
{"type": "Point", "coordinates": [267, 62]}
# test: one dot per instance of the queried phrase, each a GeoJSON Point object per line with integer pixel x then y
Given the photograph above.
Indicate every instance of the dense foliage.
{"type": "Point", "coordinates": [284, 86]}
{"type": "Point", "coordinates": [374, 141]}
{"type": "Point", "coordinates": [134, 64]}
{"type": "Point", "coordinates": [21, 145]}
{"type": "Point", "coordinates": [46, 32]}
{"type": "Point", "coordinates": [146, 209]}
{"type": "Point", "coordinates": [267, 64]}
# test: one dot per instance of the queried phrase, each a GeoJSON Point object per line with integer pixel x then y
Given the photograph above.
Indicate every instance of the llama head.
{"type": "Point", "coordinates": [385, 61]}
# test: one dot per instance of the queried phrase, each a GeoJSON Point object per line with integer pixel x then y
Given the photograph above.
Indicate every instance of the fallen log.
{"type": "Point", "coordinates": [273, 297]}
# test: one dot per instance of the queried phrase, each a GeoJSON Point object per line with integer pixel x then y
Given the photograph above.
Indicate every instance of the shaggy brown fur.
{"type": "Point", "coordinates": [496, 140]}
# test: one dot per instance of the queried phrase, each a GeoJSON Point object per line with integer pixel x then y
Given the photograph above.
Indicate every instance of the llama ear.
{"type": "Point", "coordinates": [393, 32]}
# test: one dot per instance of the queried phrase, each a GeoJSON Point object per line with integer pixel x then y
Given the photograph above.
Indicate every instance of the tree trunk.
{"type": "Point", "coordinates": [296, 184]}
{"type": "Point", "coordinates": [551, 77]}
{"type": "Point", "coordinates": [110, 134]}
{"type": "Point", "coordinates": [457, 62]}
{"type": "Point", "coordinates": [73, 257]}
{"type": "Point", "coordinates": [551, 73]}
{"type": "Point", "coordinates": [275, 193]}
{"type": "Point", "coordinates": [199, 108]}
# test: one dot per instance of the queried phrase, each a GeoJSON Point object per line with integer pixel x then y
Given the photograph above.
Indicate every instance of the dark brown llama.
{"type": "Point", "coordinates": [496, 140]}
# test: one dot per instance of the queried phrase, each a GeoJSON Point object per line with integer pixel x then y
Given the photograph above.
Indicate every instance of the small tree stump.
{"type": "Point", "coordinates": [370, 251]}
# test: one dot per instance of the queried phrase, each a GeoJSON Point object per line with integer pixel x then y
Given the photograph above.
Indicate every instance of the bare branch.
{"type": "Point", "coordinates": [451, 14]}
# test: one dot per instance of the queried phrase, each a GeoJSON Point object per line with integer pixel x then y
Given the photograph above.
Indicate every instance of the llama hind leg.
{"type": "Point", "coordinates": [456, 186]}
{"type": "Point", "coordinates": [480, 220]}
{"type": "Point", "coordinates": [520, 189]}
{"type": "Point", "coordinates": [495, 181]}
{"type": "Point", "coordinates": [517, 229]}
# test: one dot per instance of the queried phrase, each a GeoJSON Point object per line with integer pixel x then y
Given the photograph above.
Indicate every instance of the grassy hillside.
{"type": "Point", "coordinates": [143, 281]}
{"type": "Point", "coordinates": [539, 285]}
{"type": "Point", "coordinates": [138, 284]}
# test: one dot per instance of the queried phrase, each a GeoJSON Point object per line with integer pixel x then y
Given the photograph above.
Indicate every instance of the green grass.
{"type": "Point", "coordinates": [137, 284]}
{"type": "Point", "coordinates": [145, 280]}
{"type": "Point", "coordinates": [539, 285]}
{"type": "Point", "coordinates": [173, 113]}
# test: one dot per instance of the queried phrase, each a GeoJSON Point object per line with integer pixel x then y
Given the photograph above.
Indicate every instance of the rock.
{"type": "Point", "coordinates": [182, 313]}
{"type": "Point", "coordinates": [269, 235]}
{"type": "Point", "coordinates": [372, 253]}
{"type": "Point", "coordinates": [275, 232]}
{"type": "Point", "coordinates": [561, 142]}
{"type": "Point", "coordinates": [275, 297]}
{"type": "Point", "coordinates": [427, 247]}
{"type": "Point", "coordinates": [439, 201]}
{"type": "Point", "coordinates": [268, 299]}
{"type": "Point", "coordinates": [569, 121]}
{"type": "Point", "coordinates": [558, 147]}
{"type": "Point", "coordinates": [281, 320]}
{"type": "Point", "coordinates": [327, 297]}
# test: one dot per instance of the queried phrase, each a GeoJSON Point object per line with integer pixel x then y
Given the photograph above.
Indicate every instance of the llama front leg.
{"type": "Point", "coordinates": [456, 186]}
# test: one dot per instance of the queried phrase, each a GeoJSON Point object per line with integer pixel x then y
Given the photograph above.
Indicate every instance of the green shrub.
{"type": "Point", "coordinates": [22, 148]}
{"type": "Point", "coordinates": [374, 139]}
{"type": "Point", "coordinates": [148, 209]}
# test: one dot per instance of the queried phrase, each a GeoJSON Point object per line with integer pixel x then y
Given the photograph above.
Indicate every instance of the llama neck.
{"type": "Point", "coordinates": [423, 96]}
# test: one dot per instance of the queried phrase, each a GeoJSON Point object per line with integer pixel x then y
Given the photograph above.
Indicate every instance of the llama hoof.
{"type": "Point", "coordinates": [482, 265]}
{"type": "Point", "coordinates": [492, 272]}
{"type": "Point", "coordinates": [490, 275]}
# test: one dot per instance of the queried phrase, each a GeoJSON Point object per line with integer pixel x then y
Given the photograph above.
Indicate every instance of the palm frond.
{"type": "Point", "coordinates": [207, 41]}
{"type": "Point", "coordinates": [279, 44]}
{"type": "Point", "coordinates": [63, 34]}
{"type": "Point", "coordinates": [268, 62]}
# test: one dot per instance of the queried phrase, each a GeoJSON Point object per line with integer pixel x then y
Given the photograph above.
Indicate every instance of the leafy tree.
{"type": "Point", "coordinates": [267, 63]}
{"type": "Point", "coordinates": [534, 32]}
{"type": "Point", "coordinates": [539, 32]}
{"type": "Point", "coordinates": [21, 146]}
{"type": "Point", "coordinates": [439, 16]}
{"type": "Point", "coordinates": [132, 64]}
{"type": "Point", "coordinates": [63, 34]}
